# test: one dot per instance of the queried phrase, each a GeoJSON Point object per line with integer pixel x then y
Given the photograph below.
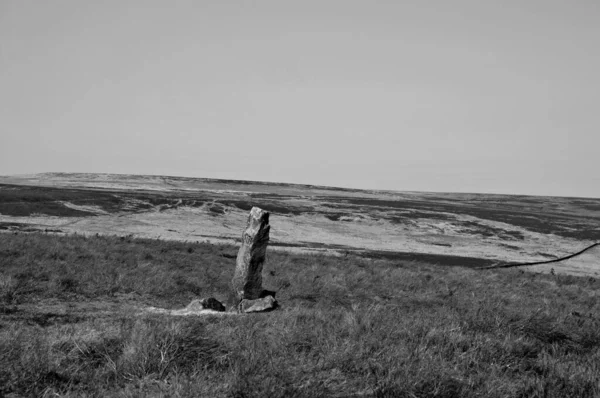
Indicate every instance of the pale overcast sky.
{"type": "Point", "coordinates": [449, 95]}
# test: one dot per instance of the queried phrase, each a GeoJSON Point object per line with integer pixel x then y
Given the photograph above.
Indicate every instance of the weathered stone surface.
{"type": "Point", "coordinates": [267, 303]}
{"type": "Point", "coordinates": [209, 303]}
{"type": "Point", "coordinates": [212, 303]}
{"type": "Point", "coordinates": [247, 279]}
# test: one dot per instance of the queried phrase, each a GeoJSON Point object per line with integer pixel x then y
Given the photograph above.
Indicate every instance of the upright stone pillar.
{"type": "Point", "coordinates": [247, 279]}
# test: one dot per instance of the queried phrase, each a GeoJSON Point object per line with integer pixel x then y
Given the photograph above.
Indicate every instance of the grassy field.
{"type": "Point", "coordinates": [72, 324]}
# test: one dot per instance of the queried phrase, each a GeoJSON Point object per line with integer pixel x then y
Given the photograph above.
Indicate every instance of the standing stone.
{"type": "Point", "coordinates": [247, 279]}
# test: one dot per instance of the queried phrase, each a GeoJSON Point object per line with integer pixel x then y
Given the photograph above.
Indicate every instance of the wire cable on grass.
{"type": "Point", "coordinates": [510, 265]}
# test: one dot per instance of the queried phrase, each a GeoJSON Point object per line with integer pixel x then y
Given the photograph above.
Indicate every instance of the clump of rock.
{"type": "Point", "coordinates": [263, 304]}
{"type": "Point", "coordinates": [207, 306]}
{"type": "Point", "coordinates": [210, 303]}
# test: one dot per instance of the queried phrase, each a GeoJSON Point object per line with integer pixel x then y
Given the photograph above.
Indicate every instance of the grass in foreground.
{"type": "Point", "coordinates": [69, 326]}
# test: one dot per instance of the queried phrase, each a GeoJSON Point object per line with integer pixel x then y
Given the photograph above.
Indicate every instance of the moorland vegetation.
{"type": "Point", "coordinates": [72, 323]}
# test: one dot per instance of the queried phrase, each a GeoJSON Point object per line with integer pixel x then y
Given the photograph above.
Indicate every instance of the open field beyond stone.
{"type": "Point", "coordinates": [441, 228]}
{"type": "Point", "coordinates": [74, 322]}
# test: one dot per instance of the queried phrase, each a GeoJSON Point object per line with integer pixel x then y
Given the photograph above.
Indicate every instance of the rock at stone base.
{"type": "Point", "coordinates": [209, 303]}
{"type": "Point", "coordinates": [267, 303]}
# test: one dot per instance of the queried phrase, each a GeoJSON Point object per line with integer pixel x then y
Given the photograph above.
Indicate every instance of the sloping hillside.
{"type": "Point", "coordinates": [475, 229]}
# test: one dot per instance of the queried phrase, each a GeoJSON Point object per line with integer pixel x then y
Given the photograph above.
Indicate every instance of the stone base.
{"type": "Point", "coordinates": [209, 303]}
{"type": "Point", "coordinates": [264, 304]}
